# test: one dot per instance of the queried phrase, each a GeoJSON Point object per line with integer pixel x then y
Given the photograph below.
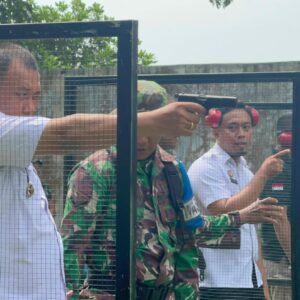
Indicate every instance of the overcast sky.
{"type": "Point", "coordinates": [195, 32]}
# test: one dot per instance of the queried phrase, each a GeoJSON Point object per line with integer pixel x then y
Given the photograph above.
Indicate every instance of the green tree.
{"type": "Point", "coordinates": [221, 3]}
{"type": "Point", "coordinates": [61, 53]}
{"type": "Point", "coordinates": [16, 11]}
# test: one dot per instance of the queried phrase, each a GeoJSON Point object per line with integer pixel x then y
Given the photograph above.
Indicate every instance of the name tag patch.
{"type": "Point", "coordinates": [231, 177]}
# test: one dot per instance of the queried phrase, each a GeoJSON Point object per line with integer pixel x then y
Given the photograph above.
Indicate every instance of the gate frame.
{"type": "Point", "coordinates": [127, 34]}
{"type": "Point", "coordinates": [246, 77]}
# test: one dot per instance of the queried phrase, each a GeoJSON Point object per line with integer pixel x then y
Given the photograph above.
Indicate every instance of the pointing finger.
{"type": "Point", "coordinates": [193, 107]}
{"type": "Point", "coordinates": [269, 200]}
{"type": "Point", "coordinates": [282, 153]}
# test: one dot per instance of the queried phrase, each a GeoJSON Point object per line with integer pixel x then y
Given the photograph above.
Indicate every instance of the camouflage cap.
{"type": "Point", "coordinates": [150, 95]}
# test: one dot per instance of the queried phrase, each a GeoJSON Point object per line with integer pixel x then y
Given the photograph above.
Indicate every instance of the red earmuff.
{"type": "Point", "coordinates": [213, 118]}
{"type": "Point", "coordinates": [285, 139]}
{"type": "Point", "coordinates": [255, 116]}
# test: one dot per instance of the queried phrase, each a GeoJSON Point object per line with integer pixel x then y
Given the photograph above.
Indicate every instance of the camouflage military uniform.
{"type": "Point", "coordinates": [165, 253]}
{"type": "Point", "coordinates": [161, 258]}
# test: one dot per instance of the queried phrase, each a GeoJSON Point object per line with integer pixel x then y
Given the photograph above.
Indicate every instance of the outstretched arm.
{"type": "Point", "coordinates": [215, 227]}
{"type": "Point", "coordinates": [269, 168]}
{"type": "Point", "coordinates": [90, 132]}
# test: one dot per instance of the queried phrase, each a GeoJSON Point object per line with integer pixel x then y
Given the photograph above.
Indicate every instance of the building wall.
{"type": "Point", "coordinates": [102, 99]}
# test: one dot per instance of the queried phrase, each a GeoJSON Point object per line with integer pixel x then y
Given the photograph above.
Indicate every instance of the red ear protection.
{"type": "Point", "coordinates": [285, 139]}
{"type": "Point", "coordinates": [255, 116]}
{"type": "Point", "coordinates": [214, 117]}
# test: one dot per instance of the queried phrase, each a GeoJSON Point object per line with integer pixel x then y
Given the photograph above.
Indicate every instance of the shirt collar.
{"type": "Point", "coordinates": [147, 164]}
{"type": "Point", "coordinates": [224, 157]}
{"type": "Point", "coordinates": [156, 160]}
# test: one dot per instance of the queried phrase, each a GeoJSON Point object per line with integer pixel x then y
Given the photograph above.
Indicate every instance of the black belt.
{"type": "Point", "coordinates": [144, 292]}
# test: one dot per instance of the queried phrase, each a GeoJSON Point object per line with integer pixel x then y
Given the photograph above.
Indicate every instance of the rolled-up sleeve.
{"type": "Point", "coordinates": [19, 137]}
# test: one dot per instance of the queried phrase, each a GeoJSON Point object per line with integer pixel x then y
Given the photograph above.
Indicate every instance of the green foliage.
{"type": "Point", "coordinates": [221, 3]}
{"type": "Point", "coordinates": [146, 58]}
{"type": "Point", "coordinates": [16, 11]}
{"type": "Point", "coordinates": [66, 54]}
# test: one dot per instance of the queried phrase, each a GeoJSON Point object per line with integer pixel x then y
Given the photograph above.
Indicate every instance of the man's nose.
{"type": "Point", "coordinates": [30, 107]}
{"type": "Point", "coordinates": [241, 131]}
{"type": "Point", "coordinates": [142, 141]}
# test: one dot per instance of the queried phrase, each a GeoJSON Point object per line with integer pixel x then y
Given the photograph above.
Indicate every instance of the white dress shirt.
{"type": "Point", "coordinates": [215, 176]}
{"type": "Point", "coordinates": [31, 252]}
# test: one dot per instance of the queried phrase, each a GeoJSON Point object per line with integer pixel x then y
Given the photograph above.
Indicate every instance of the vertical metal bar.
{"type": "Point", "coordinates": [126, 162]}
{"type": "Point", "coordinates": [70, 107]}
{"type": "Point", "coordinates": [295, 205]}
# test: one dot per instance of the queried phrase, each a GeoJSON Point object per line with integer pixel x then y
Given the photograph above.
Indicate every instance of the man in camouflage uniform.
{"type": "Point", "coordinates": [166, 255]}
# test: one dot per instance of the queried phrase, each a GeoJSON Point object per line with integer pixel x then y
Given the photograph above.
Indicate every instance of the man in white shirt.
{"type": "Point", "coordinates": [222, 182]}
{"type": "Point", "coordinates": [31, 259]}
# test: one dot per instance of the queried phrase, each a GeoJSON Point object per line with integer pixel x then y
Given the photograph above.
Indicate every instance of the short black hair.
{"type": "Point", "coordinates": [10, 52]}
{"type": "Point", "coordinates": [239, 105]}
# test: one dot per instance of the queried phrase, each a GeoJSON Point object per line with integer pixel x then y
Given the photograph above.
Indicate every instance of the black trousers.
{"type": "Point", "coordinates": [232, 294]}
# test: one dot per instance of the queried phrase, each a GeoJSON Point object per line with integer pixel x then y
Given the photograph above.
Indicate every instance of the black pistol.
{"type": "Point", "coordinates": [208, 101]}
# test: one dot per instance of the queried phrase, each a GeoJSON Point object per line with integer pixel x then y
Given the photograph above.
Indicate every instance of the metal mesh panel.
{"type": "Point", "coordinates": [98, 235]}
{"type": "Point", "coordinates": [50, 183]}
{"type": "Point", "coordinates": [229, 273]}
{"type": "Point", "coordinates": [273, 100]}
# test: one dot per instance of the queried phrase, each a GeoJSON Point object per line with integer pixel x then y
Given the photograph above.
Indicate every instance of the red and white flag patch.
{"type": "Point", "coordinates": [277, 187]}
